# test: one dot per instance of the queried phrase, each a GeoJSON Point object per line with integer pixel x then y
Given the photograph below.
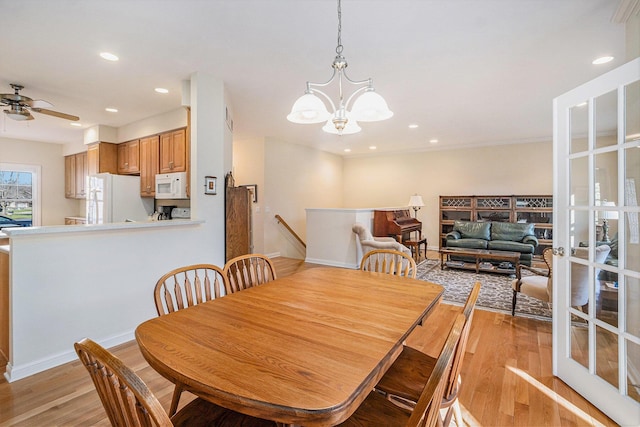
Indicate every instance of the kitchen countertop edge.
{"type": "Point", "coordinates": [81, 228]}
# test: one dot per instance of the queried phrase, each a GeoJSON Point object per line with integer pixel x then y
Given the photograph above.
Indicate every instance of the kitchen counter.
{"type": "Point", "coordinates": [82, 228]}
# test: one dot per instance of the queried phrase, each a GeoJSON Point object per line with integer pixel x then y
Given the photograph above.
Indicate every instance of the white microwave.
{"type": "Point", "coordinates": [171, 185]}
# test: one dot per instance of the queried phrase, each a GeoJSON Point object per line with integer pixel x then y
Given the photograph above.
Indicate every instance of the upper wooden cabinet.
{"type": "Point", "coordinates": [173, 151]}
{"type": "Point", "coordinates": [129, 158]}
{"type": "Point", "coordinates": [102, 157]}
{"type": "Point", "coordinates": [70, 176]}
{"type": "Point", "coordinates": [149, 165]}
{"type": "Point", "coordinates": [75, 175]}
{"type": "Point", "coordinates": [82, 171]}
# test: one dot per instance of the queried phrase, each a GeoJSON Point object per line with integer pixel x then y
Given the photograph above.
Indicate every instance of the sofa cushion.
{"type": "Point", "coordinates": [508, 245]}
{"type": "Point", "coordinates": [468, 243]}
{"type": "Point", "coordinates": [473, 230]}
{"type": "Point", "coordinates": [510, 231]}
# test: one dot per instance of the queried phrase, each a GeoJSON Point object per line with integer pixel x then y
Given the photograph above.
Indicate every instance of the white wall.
{"type": "Point", "coordinates": [248, 168]}
{"type": "Point", "coordinates": [54, 206]}
{"type": "Point", "coordinates": [296, 178]}
{"type": "Point", "coordinates": [152, 125]}
{"type": "Point", "coordinates": [390, 180]}
{"type": "Point", "coordinates": [72, 283]}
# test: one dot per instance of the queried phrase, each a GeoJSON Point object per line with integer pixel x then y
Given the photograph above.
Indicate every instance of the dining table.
{"type": "Point", "coordinates": [304, 349]}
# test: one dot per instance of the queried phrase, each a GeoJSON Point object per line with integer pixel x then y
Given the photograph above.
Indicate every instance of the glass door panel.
{"type": "Point", "coordinates": [606, 119]}
{"type": "Point", "coordinates": [607, 356]}
{"type": "Point", "coordinates": [579, 174]}
{"type": "Point", "coordinates": [579, 127]}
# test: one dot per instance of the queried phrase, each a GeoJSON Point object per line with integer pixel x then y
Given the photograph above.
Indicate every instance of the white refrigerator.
{"type": "Point", "coordinates": [116, 198]}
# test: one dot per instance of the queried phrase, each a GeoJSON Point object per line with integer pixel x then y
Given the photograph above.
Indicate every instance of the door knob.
{"type": "Point", "coordinates": [558, 251]}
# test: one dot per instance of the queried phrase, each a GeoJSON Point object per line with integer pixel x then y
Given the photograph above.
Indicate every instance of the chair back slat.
{"type": "Point", "coordinates": [247, 271]}
{"type": "Point", "coordinates": [125, 397]}
{"type": "Point", "coordinates": [389, 261]}
{"type": "Point", "coordinates": [467, 311]}
{"type": "Point", "coordinates": [192, 285]}
{"type": "Point", "coordinates": [427, 409]}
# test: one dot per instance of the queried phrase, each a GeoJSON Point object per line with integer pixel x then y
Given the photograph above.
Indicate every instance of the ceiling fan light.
{"type": "Point", "coordinates": [370, 107]}
{"type": "Point", "coordinates": [19, 115]}
{"type": "Point", "coordinates": [308, 109]}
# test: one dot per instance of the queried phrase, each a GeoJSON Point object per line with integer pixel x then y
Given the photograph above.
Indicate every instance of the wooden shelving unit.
{"type": "Point", "coordinates": [531, 209]}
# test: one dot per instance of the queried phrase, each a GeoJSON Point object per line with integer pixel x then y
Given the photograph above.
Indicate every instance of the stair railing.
{"type": "Point", "coordinates": [290, 230]}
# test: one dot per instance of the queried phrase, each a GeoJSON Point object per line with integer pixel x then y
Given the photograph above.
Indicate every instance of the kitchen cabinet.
{"type": "Point", "coordinates": [149, 165]}
{"type": "Point", "coordinates": [102, 157]}
{"type": "Point", "coordinates": [74, 220]}
{"type": "Point", "coordinates": [173, 151]}
{"type": "Point", "coordinates": [81, 173]}
{"type": "Point", "coordinates": [129, 158]}
{"type": "Point", "coordinates": [75, 175]}
{"type": "Point", "coordinates": [70, 176]}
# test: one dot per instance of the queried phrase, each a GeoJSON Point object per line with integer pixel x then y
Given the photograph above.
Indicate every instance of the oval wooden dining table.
{"type": "Point", "coordinates": [305, 349]}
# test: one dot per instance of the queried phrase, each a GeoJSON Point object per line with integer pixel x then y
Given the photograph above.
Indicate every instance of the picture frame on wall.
{"type": "Point", "coordinates": [210, 184]}
{"type": "Point", "coordinates": [253, 190]}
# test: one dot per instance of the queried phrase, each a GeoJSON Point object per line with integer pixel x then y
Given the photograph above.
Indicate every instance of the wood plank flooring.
{"type": "Point", "coordinates": [507, 379]}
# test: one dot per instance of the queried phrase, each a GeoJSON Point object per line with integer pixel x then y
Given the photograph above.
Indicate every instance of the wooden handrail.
{"type": "Point", "coordinates": [284, 223]}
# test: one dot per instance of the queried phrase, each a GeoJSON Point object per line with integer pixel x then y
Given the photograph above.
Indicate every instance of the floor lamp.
{"type": "Point", "coordinates": [606, 216]}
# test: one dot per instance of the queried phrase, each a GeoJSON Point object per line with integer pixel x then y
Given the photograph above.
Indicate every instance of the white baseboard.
{"type": "Point", "coordinates": [331, 263]}
{"type": "Point", "coordinates": [18, 372]}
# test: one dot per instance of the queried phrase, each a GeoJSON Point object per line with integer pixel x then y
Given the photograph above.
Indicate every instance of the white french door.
{"type": "Point", "coordinates": [596, 294]}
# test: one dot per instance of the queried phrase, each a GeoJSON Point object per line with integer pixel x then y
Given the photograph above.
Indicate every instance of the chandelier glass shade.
{"type": "Point", "coordinates": [367, 105]}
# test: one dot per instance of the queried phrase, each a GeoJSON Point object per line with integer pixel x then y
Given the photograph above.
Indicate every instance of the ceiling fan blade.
{"type": "Point", "coordinates": [55, 114]}
{"type": "Point", "coordinates": [39, 103]}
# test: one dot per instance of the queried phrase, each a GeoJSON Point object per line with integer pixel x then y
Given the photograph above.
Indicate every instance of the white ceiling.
{"type": "Point", "coordinates": [468, 72]}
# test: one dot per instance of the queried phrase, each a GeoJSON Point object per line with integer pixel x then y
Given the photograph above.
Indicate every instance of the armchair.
{"type": "Point", "coordinates": [540, 285]}
{"type": "Point", "coordinates": [365, 242]}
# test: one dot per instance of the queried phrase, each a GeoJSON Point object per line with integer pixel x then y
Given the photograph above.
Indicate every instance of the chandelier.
{"type": "Point", "coordinates": [367, 105]}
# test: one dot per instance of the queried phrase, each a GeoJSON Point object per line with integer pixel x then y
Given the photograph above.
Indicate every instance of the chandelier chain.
{"type": "Point", "coordinates": [339, 47]}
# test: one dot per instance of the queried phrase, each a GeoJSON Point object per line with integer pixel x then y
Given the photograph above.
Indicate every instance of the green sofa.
{"type": "Point", "coordinates": [499, 236]}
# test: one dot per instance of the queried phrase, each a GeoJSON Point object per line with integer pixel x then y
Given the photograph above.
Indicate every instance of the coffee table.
{"type": "Point", "coordinates": [480, 255]}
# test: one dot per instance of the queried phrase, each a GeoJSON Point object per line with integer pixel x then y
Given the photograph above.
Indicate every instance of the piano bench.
{"type": "Point", "coordinates": [414, 245]}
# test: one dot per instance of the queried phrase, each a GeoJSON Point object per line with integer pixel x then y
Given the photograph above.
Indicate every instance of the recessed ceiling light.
{"type": "Point", "coordinates": [413, 126]}
{"type": "Point", "coordinates": [109, 56]}
{"type": "Point", "coordinates": [433, 141]}
{"type": "Point", "coordinates": [602, 60]}
{"type": "Point", "coordinates": [373, 147]}
{"type": "Point", "coordinates": [347, 150]}
{"type": "Point", "coordinates": [76, 124]}
{"type": "Point", "coordinates": [111, 110]}
{"type": "Point", "coordinates": [582, 104]}
{"type": "Point", "coordinates": [161, 90]}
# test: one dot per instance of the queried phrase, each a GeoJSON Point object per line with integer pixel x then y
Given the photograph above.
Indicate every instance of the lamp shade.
{"type": "Point", "coordinates": [370, 107]}
{"type": "Point", "coordinates": [308, 109]}
{"type": "Point", "coordinates": [18, 114]}
{"type": "Point", "coordinates": [416, 201]}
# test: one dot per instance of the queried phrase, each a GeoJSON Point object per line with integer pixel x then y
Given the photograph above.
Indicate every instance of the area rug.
{"type": "Point", "coordinates": [495, 293]}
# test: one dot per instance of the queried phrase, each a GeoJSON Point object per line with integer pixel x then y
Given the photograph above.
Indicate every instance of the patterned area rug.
{"type": "Point", "coordinates": [495, 293]}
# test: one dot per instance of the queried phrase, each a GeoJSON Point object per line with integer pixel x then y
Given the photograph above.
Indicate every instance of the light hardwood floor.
{"type": "Point", "coordinates": [507, 379]}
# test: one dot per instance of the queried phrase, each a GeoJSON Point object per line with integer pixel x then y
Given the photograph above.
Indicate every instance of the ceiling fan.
{"type": "Point", "coordinates": [20, 106]}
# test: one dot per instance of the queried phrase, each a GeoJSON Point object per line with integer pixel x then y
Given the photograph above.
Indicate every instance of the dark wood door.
{"type": "Point", "coordinates": [238, 222]}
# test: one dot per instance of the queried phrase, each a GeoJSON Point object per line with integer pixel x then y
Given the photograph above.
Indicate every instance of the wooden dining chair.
{"type": "Point", "coordinates": [190, 285]}
{"type": "Point", "coordinates": [389, 261]}
{"type": "Point", "coordinates": [246, 271]}
{"type": "Point", "coordinates": [184, 287]}
{"type": "Point", "coordinates": [405, 379]}
{"type": "Point", "coordinates": [376, 410]}
{"type": "Point", "coordinates": [129, 402]}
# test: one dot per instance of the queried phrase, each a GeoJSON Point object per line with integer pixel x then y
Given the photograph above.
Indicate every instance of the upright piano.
{"type": "Point", "coordinates": [395, 223]}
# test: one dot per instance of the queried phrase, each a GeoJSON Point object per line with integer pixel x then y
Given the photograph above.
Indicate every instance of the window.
{"type": "Point", "coordinates": [19, 193]}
